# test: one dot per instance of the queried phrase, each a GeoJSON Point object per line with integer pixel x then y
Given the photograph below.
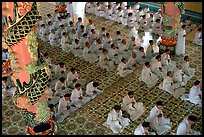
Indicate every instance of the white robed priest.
{"type": "Point", "coordinates": [133, 108]}
{"type": "Point", "coordinates": [158, 122]}
{"type": "Point", "coordinates": [115, 121]}
{"type": "Point", "coordinates": [91, 89]}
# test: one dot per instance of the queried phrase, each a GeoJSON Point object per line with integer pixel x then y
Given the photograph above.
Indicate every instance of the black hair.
{"type": "Point", "coordinates": [123, 59]}
{"type": "Point", "coordinates": [46, 54]}
{"type": "Point", "coordinates": [158, 56]}
{"type": "Point", "coordinates": [147, 63]}
{"type": "Point", "coordinates": [62, 79]}
{"type": "Point", "coordinates": [95, 84]}
{"type": "Point", "coordinates": [77, 85]}
{"type": "Point", "coordinates": [118, 32]}
{"type": "Point", "coordinates": [168, 73]}
{"type": "Point", "coordinates": [145, 124]}
{"type": "Point", "coordinates": [130, 93]}
{"type": "Point", "coordinates": [72, 69]}
{"type": "Point", "coordinates": [185, 57]}
{"type": "Point", "coordinates": [197, 82]}
{"type": "Point", "coordinates": [67, 95]}
{"type": "Point", "coordinates": [192, 118]}
{"type": "Point", "coordinates": [159, 103]}
{"type": "Point", "coordinates": [117, 107]}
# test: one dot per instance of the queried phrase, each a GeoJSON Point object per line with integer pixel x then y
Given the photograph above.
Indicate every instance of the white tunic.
{"type": "Point", "coordinates": [90, 89]}
{"type": "Point", "coordinates": [187, 69]}
{"type": "Point", "coordinates": [70, 9]}
{"type": "Point", "coordinates": [136, 110]}
{"type": "Point", "coordinates": [116, 122]}
{"type": "Point", "coordinates": [195, 95]}
{"type": "Point", "coordinates": [184, 128]}
{"type": "Point", "coordinates": [198, 38]}
{"type": "Point", "coordinates": [72, 78]}
{"type": "Point", "coordinates": [140, 131]}
{"type": "Point", "coordinates": [52, 39]}
{"type": "Point", "coordinates": [123, 69]}
{"type": "Point", "coordinates": [180, 45]}
{"type": "Point", "coordinates": [148, 77]}
{"type": "Point", "coordinates": [155, 65]}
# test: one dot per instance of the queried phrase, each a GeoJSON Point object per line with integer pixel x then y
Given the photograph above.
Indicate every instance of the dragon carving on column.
{"type": "Point", "coordinates": [171, 13]}
{"type": "Point", "coordinates": [27, 69]}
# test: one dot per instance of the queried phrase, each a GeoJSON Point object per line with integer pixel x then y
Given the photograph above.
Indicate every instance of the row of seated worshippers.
{"type": "Point", "coordinates": [174, 75]}
{"type": "Point", "coordinates": [156, 119]}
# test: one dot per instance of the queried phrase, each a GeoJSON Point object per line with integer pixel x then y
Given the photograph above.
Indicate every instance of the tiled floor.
{"type": "Point", "coordinates": [88, 120]}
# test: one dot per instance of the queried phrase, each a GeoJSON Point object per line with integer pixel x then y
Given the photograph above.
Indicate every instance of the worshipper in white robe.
{"type": "Point", "coordinates": [72, 78]}
{"type": "Point", "coordinates": [71, 38]}
{"type": "Point", "coordinates": [77, 98]}
{"type": "Point", "coordinates": [59, 70]}
{"type": "Point", "coordinates": [61, 87]}
{"type": "Point", "coordinates": [134, 43]}
{"type": "Point", "coordinates": [64, 42]}
{"type": "Point", "coordinates": [65, 108]}
{"type": "Point", "coordinates": [195, 94]}
{"type": "Point", "coordinates": [108, 13]}
{"type": "Point", "coordinates": [102, 33]}
{"type": "Point", "coordinates": [131, 20]}
{"type": "Point", "coordinates": [97, 47]}
{"type": "Point", "coordinates": [136, 6]}
{"type": "Point", "coordinates": [70, 27]}
{"type": "Point", "coordinates": [117, 38]}
{"type": "Point", "coordinates": [120, 16]}
{"type": "Point", "coordinates": [83, 40]}
{"type": "Point", "coordinates": [47, 59]}
{"type": "Point", "coordinates": [49, 18]}
{"type": "Point", "coordinates": [78, 23]}
{"type": "Point", "coordinates": [150, 21]}
{"type": "Point", "coordinates": [77, 51]}
{"type": "Point", "coordinates": [124, 49]}
{"type": "Point", "coordinates": [198, 37]}
{"type": "Point", "coordinates": [143, 129]}
{"type": "Point", "coordinates": [133, 108]}
{"type": "Point", "coordinates": [53, 39]}
{"type": "Point", "coordinates": [169, 86]}
{"type": "Point", "coordinates": [89, 27]}
{"type": "Point", "coordinates": [141, 56]}
{"type": "Point", "coordinates": [124, 5]}
{"type": "Point", "coordinates": [91, 89]}
{"type": "Point", "coordinates": [123, 69]}
{"type": "Point", "coordinates": [81, 31]}
{"type": "Point", "coordinates": [88, 7]}
{"type": "Point", "coordinates": [180, 45]}
{"type": "Point", "coordinates": [69, 8]}
{"type": "Point", "coordinates": [93, 37]}
{"type": "Point", "coordinates": [166, 61]}
{"type": "Point", "coordinates": [132, 61]}
{"type": "Point", "coordinates": [146, 9]}
{"type": "Point", "coordinates": [115, 121]}
{"type": "Point", "coordinates": [184, 127]}
{"type": "Point", "coordinates": [143, 23]}
{"type": "Point", "coordinates": [186, 67]}
{"type": "Point", "coordinates": [179, 76]}
{"type": "Point", "coordinates": [40, 21]}
{"type": "Point", "coordinates": [157, 68]}
{"type": "Point", "coordinates": [56, 15]}
{"type": "Point", "coordinates": [158, 122]}
{"type": "Point", "coordinates": [105, 5]}
{"type": "Point", "coordinates": [68, 19]}
{"type": "Point", "coordinates": [105, 62]}
{"type": "Point", "coordinates": [50, 26]}
{"type": "Point", "coordinates": [157, 15]}
{"type": "Point", "coordinates": [43, 33]}
{"type": "Point", "coordinates": [113, 54]}
{"type": "Point", "coordinates": [7, 89]}
{"type": "Point", "coordinates": [139, 14]}
{"type": "Point", "coordinates": [126, 11]}
{"type": "Point", "coordinates": [156, 28]}
{"type": "Point", "coordinates": [150, 51]}
{"type": "Point", "coordinates": [59, 22]}
{"type": "Point", "coordinates": [98, 10]}
{"type": "Point", "coordinates": [107, 41]}
{"type": "Point", "coordinates": [147, 76]}
{"type": "Point", "coordinates": [88, 54]}
{"type": "Point", "coordinates": [115, 8]}
{"type": "Point", "coordinates": [59, 32]}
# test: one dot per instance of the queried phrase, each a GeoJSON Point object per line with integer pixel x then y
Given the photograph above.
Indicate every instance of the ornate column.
{"type": "Point", "coordinates": [29, 72]}
{"type": "Point", "coordinates": [171, 13]}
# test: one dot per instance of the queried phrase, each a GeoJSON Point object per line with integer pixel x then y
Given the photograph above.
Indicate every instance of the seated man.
{"type": "Point", "coordinates": [60, 70]}
{"type": "Point", "coordinates": [184, 127]}
{"type": "Point", "coordinates": [143, 128]}
{"type": "Point", "coordinates": [105, 62]}
{"type": "Point", "coordinates": [186, 67]}
{"type": "Point", "coordinates": [123, 68]}
{"type": "Point", "coordinates": [60, 87]}
{"type": "Point", "coordinates": [132, 61]}
{"type": "Point", "coordinates": [166, 61]}
{"type": "Point", "coordinates": [158, 122]}
{"type": "Point", "coordinates": [115, 121]}
{"type": "Point", "coordinates": [64, 108]}
{"type": "Point", "coordinates": [169, 86]}
{"type": "Point", "coordinates": [91, 89]}
{"type": "Point", "coordinates": [77, 98]}
{"type": "Point", "coordinates": [198, 37]}
{"type": "Point", "coordinates": [141, 56]}
{"type": "Point", "coordinates": [88, 54]}
{"type": "Point", "coordinates": [147, 76]}
{"type": "Point", "coordinates": [72, 78]}
{"type": "Point", "coordinates": [133, 108]}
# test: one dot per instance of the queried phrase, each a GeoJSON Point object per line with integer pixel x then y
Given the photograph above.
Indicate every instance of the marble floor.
{"type": "Point", "coordinates": [89, 119]}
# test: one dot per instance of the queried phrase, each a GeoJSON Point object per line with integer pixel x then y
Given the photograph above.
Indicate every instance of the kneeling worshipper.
{"type": "Point", "coordinates": [186, 67]}
{"type": "Point", "coordinates": [166, 61]}
{"type": "Point", "coordinates": [115, 121]}
{"type": "Point", "coordinates": [198, 37]}
{"type": "Point", "coordinates": [65, 108]}
{"type": "Point", "coordinates": [143, 129]}
{"type": "Point", "coordinates": [105, 62]}
{"type": "Point", "coordinates": [91, 89]}
{"type": "Point", "coordinates": [60, 87]}
{"type": "Point", "coordinates": [133, 108]}
{"type": "Point", "coordinates": [158, 122]}
{"type": "Point", "coordinates": [77, 98]}
{"type": "Point", "coordinates": [184, 127]}
{"type": "Point", "coordinates": [123, 68]}
{"type": "Point", "coordinates": [72, 78]}
{"type": "Point", "coordinates": [147, 76]}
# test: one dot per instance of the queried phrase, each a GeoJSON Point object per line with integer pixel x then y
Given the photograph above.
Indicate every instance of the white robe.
{"type": "Point", "coordinates": [116, 122]}
{"type": "Point", "coordinates": [184, 128]}
{"type": "Point", "coordinates": [155, 65]}
{"type": "Point", "coordinates": [148, 77]}
{"type": "Point", "coordinates": [70, 9]}
{"type": "Point", "coordinates": [113, 54]}
{"type": "Point", "coordinates": [140, 131]}
{"type": "Point", "coordinates": [160, 125]}
{"type": "Point", "coordinates": [105, 63]}
{"type": "Point", "coordinates": [180, 45]}
{"type": "Point", "coordinates": [134, 112]}
{"type": "Point", "coordinates": [156, 28]}
{"type": "Point", "coordinates": [57, 71]}
{"type": "Point", "coordinates": [123, 69]}
{"type": "Point", "coordinates": [77, 51]}
{"type": "Point", "coordinates": [167, 63]}
{"type": "Point", "coordinates": [71, 77]}
{"type": "Point", "coordinates": [198, 39]}
{"type": "Point", "coordinates": [44, 34]}
{"type": "Point", "coordinates": [89, 27]}
{"type": "Point", "coordinates": [180, 78]}
{"type": "Point", "coordinates": [75, 98]}
{"type": "Point", "coordinates": [58, 88]}
{"type": "Point", "coordinates": [89, 56]}
{"type": "Point", "coordinates": [64, 44]}
{"type": "Point", "coordinates": [194, 96]}
{"type": "Point", "coordinates": [132, 62]}
{"type": "Point", "coordinates": [52, 39]}
{"type": "Point", "coordinates": [90, 89]}
{"type": "Point", "coordinates": [140, 59]}
{"type": "Point", "coordinates": [187, 69]}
